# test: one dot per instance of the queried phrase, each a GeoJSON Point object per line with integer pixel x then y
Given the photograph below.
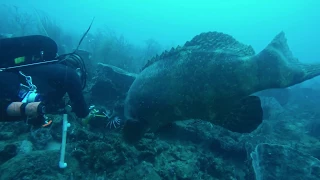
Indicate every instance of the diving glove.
{"type": "Point", "coordinates": [92, 114]}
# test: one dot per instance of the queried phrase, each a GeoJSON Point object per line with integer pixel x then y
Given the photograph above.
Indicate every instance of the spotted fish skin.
{"type": "Point", "coordinates": [211, 78]}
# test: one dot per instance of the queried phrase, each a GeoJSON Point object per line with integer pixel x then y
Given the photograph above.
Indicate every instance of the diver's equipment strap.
{"type": "Point", "coordinates": [32, 87]}
{"type": "Point", "coordinates": [30, 96]}
{"type": "Point", "coordinates": [27, 65]}
{"type": "Point", "coordinates": [23, 109]}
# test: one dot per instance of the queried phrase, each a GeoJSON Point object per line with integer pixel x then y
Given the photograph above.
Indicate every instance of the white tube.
{"type": "Point", "coordinates": [65, 126]}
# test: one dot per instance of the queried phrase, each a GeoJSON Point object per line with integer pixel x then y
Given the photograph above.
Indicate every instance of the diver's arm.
{"type": "Point", "coordinates": [79, 106]}
{"type": "Point", "coordinates": [74, 89]}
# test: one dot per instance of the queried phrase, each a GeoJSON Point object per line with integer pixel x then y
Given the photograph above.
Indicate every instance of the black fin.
{"type": "Point", "coordinates": [243, 117]}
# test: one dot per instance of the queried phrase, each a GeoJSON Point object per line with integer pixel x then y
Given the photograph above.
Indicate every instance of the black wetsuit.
{"type": "Point", "coordinates": [52, 80]}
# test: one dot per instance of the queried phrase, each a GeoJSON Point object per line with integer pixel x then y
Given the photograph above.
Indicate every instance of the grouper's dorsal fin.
{"type": "Point", "coordinates": [219, 42]}
{"type": "Point", "coordinates": [164, 55]}
{"type": "Point", "coordinates": [208, 42]}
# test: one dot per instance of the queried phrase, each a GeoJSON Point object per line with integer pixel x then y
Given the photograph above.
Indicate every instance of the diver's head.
{"type": "Point", "coordinates": [76, 62]}
{"type": "Point", "coordinates": [79, 72]}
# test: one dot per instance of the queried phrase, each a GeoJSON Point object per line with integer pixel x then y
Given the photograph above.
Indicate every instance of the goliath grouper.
{"type": "Point", "coordinates": [212, 78]}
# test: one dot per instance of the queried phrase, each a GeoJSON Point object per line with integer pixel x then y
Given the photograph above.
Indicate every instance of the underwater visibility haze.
{"type": "Point", "coordinates": [223, 90]}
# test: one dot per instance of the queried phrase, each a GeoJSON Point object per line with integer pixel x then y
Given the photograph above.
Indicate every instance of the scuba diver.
{"type": "Point", "coordinates": [34, 80]}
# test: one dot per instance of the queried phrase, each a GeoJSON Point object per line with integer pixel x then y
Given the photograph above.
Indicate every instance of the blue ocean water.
{"type": "Point", "coordinates": [124, 36]}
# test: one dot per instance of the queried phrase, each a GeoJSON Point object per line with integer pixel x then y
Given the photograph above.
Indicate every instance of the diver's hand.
{"type": "Point", "coordinates": [92, 114]}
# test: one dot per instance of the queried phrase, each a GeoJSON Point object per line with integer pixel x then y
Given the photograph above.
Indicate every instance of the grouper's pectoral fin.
{"type": "Point", "coordinates": [243, 116]}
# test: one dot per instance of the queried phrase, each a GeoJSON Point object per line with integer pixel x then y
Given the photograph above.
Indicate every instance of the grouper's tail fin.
{"type": "Point", "coordinates": [280, 44]}
{"type": "Point", "coordinates": [278, 68]}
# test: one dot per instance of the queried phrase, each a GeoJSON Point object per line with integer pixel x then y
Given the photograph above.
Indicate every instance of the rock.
{"type": "Point", "coordinates": [10, 150]}
{"type": "Point", "coordinates": [37, 165]}
{"type": "Point", "coordinates": [25, 147]}
{"type": "Point", "coordinates": [283, 163]}
{"type": "Point", "coordinates": [7, 151]}
{"type": "Point", "coordinates": [110, 84]}
{"type": "Point", "coordinates": [6, 135]}
{"type": "Point", "coordinates": [271, 108]}
{"type": "Point", "coordinates": [143, 171]}
{"type": "Point", "coordinates": [282, 96]}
